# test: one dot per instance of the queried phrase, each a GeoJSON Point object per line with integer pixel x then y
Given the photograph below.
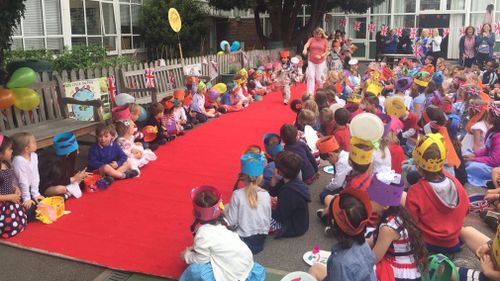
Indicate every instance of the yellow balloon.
{"type": "Point", "coordinates": [220, 87]}
{"type": "Point", "coordinates": [26, 99]}
{"type": "Point", "coordinates": [220, 53]}
{"type": "Point", "coordinates": [174, 19]}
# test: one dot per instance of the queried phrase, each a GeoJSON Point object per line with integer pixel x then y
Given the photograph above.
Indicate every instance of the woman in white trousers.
{"type": "Point", "coordinates": [317, 50]}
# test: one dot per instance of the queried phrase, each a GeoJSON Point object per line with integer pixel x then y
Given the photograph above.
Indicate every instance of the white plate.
{"type": "Point", "coordinates": [367, 126]}
{"type": "Point", "coordinates": [298, 276]}
{"type": "Point", "coordinates": [329, 170]}
{"type": "Point", "coordinates": [311, 138]}
{"type": "Point", "coordinates": [321, 257]}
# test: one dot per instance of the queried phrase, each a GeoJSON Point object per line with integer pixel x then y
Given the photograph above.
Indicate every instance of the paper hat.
{"type": "Point", "coordinates": [375, 88]}
{"type": "Point", "coordinates": [386, 189]}
{"type": "Point", "coordinates": [353, 61]}
{"type": "Point", "coordinates": [438, 78]}
{"type": "Point", "coordinates": [212, 94]}
{"type": "Point", "coordinates": [270, 148]}
{"type": "Point", "coordinates": [251, 71]}
{"type": "Point", "coordinates": [403, 83]}
{"type": "Point", "coordinates": [353, 98]}
{"type": "Point", "coordinates": [358, 155]}
{"type": "Point", "coordinates": [340, 216]}
{"type": "Point", "coordinates": [167, 102]}
{"type": "Point", "coordinates": [243, 72]}
{"type": "Point", "coordinates": [386, 119]}
{"type": "Point", "coordinates": [386, 74]}
{"type": "Point", "coordinates": [179, 95]}
{"type": "Point", "coordinates": [149, 133]}
{"type": "Point", "coordinates": [395, 106]}
{"type": "Point", "coordinates": [176, 102]}
{"type": "Point", "coordinates": [495, 248]}
{"type": "Point", "coordinates": [422, 78]}
{"type": "Point", "coordinates": [284, 53]}
{"type": "Point", "coordinates": [205, 214]}
{"type": "Point", "coordinates": [64, 143]}
{"type": "Point", "coordinates": [188, 99]}
{"type": "Point", "coordinates": [268, 66]}
{"type": "Point", "coordinates": [431, 165]}
{"type": "Point", "coordinates": [252, 164]}
{"type": "Point", "coordinates": [121, 112]}
{"type": "Point", "coordinates": [327, 144]}
{"type": "Point", "coordinates": [201, 86]}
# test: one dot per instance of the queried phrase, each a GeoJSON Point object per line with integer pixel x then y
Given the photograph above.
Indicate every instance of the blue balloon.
{"type": "Point", "coordinates": [235, 46]}
{"type": "Point", "coordinates": [143, 116]}
{"type": "Point", "coordinates": [223, 44]}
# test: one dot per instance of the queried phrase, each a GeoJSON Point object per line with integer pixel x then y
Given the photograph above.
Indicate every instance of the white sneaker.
{"type": "Point", "coordinates": [75, 190]}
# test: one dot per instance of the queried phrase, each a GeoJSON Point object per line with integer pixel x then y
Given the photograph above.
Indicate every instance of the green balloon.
{"type": "Point", "coordinates": [21, 78]}
{"type": "Point", "coordinates": [25, 99]}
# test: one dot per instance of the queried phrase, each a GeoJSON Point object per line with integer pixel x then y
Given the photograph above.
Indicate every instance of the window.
{"type": "Point", "coordinates": [383, 8]}
{"type": "Point", "coordinates": [378, 21]}
{"type": "Point", "coordinates": [93, 16]}
{"type": "Point", "coordinates": [480, 5]}
{"type": "Point", "coordinates": [455, 5]}
{"type": "Point", "coordinates": [77, 17]}
{"type": "Point", "coordinates": [352, 33]}
{"type": "Point", "coordinates": [405, 6]}
{"type": "Point", "coordinates": [429, 5]}
{"type": "Point", "coordinates": [332, 23]}
{"type": "Point", "coordinates": [405, 21]}
{"type": "Point", "coordinates": [130, 15]}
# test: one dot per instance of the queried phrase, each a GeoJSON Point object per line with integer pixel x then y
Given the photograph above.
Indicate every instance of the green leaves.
{"type": "Point", "coordinates": [11, 12]}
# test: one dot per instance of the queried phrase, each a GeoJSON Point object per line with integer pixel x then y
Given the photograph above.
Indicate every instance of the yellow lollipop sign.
{"type": "Point", "coordinates": [174, 19]}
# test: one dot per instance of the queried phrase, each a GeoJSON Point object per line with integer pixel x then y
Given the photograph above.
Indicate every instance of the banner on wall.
{"type": "Point", "coordinates": [91, 89]}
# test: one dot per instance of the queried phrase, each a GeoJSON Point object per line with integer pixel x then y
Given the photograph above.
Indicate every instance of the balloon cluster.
{"type": "Point", "coordinates": [125, 99]}
{"type": "Point", "coordinates": [18, 92]}
{"type": "Point", "coordinates": [224, 45]}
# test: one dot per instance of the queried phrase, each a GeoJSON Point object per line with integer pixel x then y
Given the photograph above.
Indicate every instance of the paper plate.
{"type": "Point", "coordinates": [329, 169]}
{"type": "Point", "coordinates": [367, 126]}
{"type": "Point", "coordinates": [294, 60]}
{"type": "Point", "coordinates": [298, 276]}
{"type": "Point", "coordinates": [311, 138]}
{"type": "Point", "coordinates": [321, 257]}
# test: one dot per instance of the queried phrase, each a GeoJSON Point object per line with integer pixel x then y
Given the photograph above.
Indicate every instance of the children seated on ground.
{"type": "Point", "coordinates": [10, 195]}
{"type": "Point", "coordinates": [309, 168]}
{"type": "Point", "coordinates": [291, 216]}
{"type": "Point", "coordinates": [198, 105]}
{"type": "Point", "coordinates": [217, 252]}
{"type": "Point", "coordinates": [477, 126]}
{"type": "Point", "coordinates": [107, 158]}
{"type": "Point", "coordinates": [327, 121]}
{"type": "Point", "coordinates": [58, 175]}
{"type": "Point", "coordinates": [351, 258]}
{"type": "Point", "coordinates": [437, 202]}
{"type": "Point", "coordinates": [396, 241]}
{"type": "Point", "coordinates": [341, 131]}
{"type": "Point", "coordinates": [250, 207]}
{"type": "Point", "coordinates": [172, 128]}
{"type": "Point", "coordinates": [155, 124]}
{"type": "Point", "coordinates": [273, 146]}
{"type": "Point", "coordinates": [180, 113]}
{"type": "Point", "coordinates": [137, 155]}
{"type": "Point", "coordinates": [25, 164]}
{"type": "Point", "coordinates": [420, 82]}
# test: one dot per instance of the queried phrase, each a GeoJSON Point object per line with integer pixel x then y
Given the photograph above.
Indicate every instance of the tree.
{"type": "Point", "coordinates": [11, 12]}
{"type": "Point", "coordinates": [159, 37]}
{"type": "Point", "coordinates": [283, 14]}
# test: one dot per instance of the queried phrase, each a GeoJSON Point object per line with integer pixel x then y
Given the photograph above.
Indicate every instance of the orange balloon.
{"type": "Point", "coordinates": [6, 98]}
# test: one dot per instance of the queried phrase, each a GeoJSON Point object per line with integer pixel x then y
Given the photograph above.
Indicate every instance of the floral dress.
{"type": "Point", "coordinates": [12, 216]}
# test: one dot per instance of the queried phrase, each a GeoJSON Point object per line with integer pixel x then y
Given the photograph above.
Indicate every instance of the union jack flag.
{"type": "Point", "coordinates": [342, 22]}
{"type": "Point", "coordinates": [446, 31]}
{"type": "Point", "coordinates": [418, 51]}
{"type": "Point", "coordinates": [383, 31]}
{"type": "Point", "coordinates": [413, 33]}
{"type": "Point", "coordinates": [371, 27]}
{"type": "Point", "coordinates": [399, 32]}
{"type": "Point", "coordinates": [357, 25]}
{"type": "Point", "coordinates": [149, 78]}
{"type": "Point", "coordinates": [462, 31]}
{"type": "Point", "coordinates": [497, 27]}
{"type": "Point", "coordinates": [112, 87]}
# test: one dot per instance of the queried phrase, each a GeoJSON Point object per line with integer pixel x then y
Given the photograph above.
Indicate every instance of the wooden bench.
{"type": "Point", "coordinates": [51, 117]}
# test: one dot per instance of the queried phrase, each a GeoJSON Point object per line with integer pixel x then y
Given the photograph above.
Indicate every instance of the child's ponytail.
{"type": "Point", "coordinates": [251, 189]}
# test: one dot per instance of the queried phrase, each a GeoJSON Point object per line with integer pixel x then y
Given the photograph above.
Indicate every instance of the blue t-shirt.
{"type": "Point", "coordinates": [420, 99]}
{"type": "Point", "coordinates": [353, 264]}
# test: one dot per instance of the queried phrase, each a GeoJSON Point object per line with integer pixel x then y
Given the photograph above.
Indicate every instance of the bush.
{"type": "Point", "coordinates": [79, 57]}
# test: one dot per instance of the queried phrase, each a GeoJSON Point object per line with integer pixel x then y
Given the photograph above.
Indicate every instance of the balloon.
{"type": "Point", "coordinates": [23, 77]}
{"type": "Point", "coordinates": [143, 116]}
{"type": "Point", "coordinates": [235, 46]}
{"type": "Point", "coordinates": [213, 94]}
{"type": "Point", "coordinates": [26, 99]}
{"type": "Point", "coordinates": [220, 87]}
{"type": "Point", "coordinates": [123, 99]}
{"type": "Point", "coordinates": [220, 53]}
{"type": "Point", "coordinates": [6, 98]}
{"type": "Point", "coordinates": [223, 44]}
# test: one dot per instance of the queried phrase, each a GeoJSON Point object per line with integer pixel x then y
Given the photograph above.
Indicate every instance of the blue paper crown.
{"type": "Point", "coordinates": [272, 149]}
{"type": "Point", "coordinates": [65, 143]}
{"type": "Point", "coordinates": [252, 164]}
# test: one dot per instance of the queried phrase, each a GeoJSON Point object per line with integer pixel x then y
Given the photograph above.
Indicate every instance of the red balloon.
{"type": "Point", "coordinates": [6, 98]}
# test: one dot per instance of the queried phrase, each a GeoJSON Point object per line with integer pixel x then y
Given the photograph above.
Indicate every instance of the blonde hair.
{"type": "Point", "coordinates": [312, 106]}
{"type": "Point", "coordinates": [134, 108]}
{"type": "Point", "coordinates": [332, 77]}
{"type": "Point", "coordinates": [20, 141]}
{"type": "Point", "coordinates": [251, 189]}
{"type": "Point", "coordinates": [307, 117]}
{"type": "Point", "coordinates": [326, 115]}
{"type": "Point", "coordinates": [320, 30]}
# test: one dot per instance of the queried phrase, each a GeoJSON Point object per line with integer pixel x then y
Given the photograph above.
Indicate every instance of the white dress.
{"type": "Point", "coordinates": [137, 155]}
{"type": "Point", "coordinates": [468, 141]}
{"type": "Point", "coordinates": [382, 165]}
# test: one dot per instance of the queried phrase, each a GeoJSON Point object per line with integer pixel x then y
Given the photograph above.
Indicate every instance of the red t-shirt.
{"type": "Point", "coordinates": [397, 157]}
{"type": "Point", "coordinates": [343, 137]}
{"type": "Point", "coordinates": [317, 47]}
{"type": "Point", "coordinates": [411, 122]}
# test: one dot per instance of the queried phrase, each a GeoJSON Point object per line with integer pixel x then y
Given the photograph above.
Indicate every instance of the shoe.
{"type": "Point", "coordinates": [162, 141]}
{"type": "Point", "coordinates": [105, 182]}
{"type": "Point", "coordinates": [170, 138]}
{"type": "Point", "coordinates": [131, 174]}
{"type": "Point", "coordinates": [66, 196]}
{"type": "Point", "coordinates": [74, 190]}
{"type": "Point", "coordinates": [322, 216]}
{"type": "Point", "coordinates": [328, 231]}
{"type": "Point", "coordinates": [153, 146]}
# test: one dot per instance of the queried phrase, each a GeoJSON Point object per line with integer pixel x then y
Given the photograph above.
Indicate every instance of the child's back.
{"type": "Point", "coordinates": [250, 221]}
{"type": "Point", "coordinates": [309, 167]}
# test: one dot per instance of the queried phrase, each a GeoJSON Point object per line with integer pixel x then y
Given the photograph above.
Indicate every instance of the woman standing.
{"type": "Point", "coordinates": [484, 44]}
{"type": "Point", "coordinates": [317, 49]}
{"type": "Point", "coordinates": [435, 45]}
{"type": "Point", "coordinates": [467, 47]}
{"type": "Point", "coordinates": [424, 42]}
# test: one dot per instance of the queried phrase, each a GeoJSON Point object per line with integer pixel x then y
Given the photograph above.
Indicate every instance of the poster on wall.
{"type": "Point", "coordinates": [85, 90]}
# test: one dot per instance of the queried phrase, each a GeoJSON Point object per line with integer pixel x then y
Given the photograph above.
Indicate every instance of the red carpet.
{"type": "Point", "coordinates": [142, 224]}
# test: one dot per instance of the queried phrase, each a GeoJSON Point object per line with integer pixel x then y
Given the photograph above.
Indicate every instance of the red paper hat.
{"type": "Point", "coordinates": [386, 74]}
{"type": "Point", "coordinates": [120, 113]}
{"type": "Point", "coordinates": [149, 133]}
{"type": "Point", "coordinates": [187, 100]}
{"type": "Point", "coordinates": [327, 144]}
{"type": "Point", "coordinates": [340, 216]}
{"type": "Point", "coordinates": [206, 214]}
{"type": "Point", "coordinates": [383, 193]}
{"type": "Point", "coordinates": [284, 53]}
{"type": "Point", "coordinates": [268, 66]}
{"type": "Point", "coordinates": [179, 95]}
{"type": "Point", "coordinates": [167, 102]}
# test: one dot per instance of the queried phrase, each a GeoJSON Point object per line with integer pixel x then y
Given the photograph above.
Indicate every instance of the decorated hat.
{"type": "Point", "coordinates": [252, 164]}
{"type": "Point", "coordinates": [176, 102]}
{"type": "Point", "coordinates": [340, 216]}
{"type": "Point", "coordinates": [167, 102]}
{"type": "Point", "coordinates": [386, 74]}
{"type": "Point", "coordinates": [121, 112]}
{"type": "Point", "coordinates": [212, 94]}
{"type": "Point", "coordinates": [438, 78]}
{"type": "Point", "coordinates": [354, 98]}
{"type": "Point", "coordinates": [395, 106]}
{"type": "Point", "coordinates": [272, 149]}
{"type": "Point", "coordinates": [149, 133]}
{"type": "Point", "coordinates": [424, 142]}
{"type": "Point", "coordinates": [243, 72]}
{"type": "Point", "coordinates": [251, 71]}
{"type": "Point", "coordinates": [422, 78]}
{"type": "Point", "coordinates": [374, 88]}
{"type": "Point", "coordinates": [179, 95]}
{"type": "Point", "coordinates": [358, 155]}
{"type": "Point", "coordinates": [201, 86]}
{"type": "Point", "coordinates": [295, 60]}
{"type": "Point", "coordinates": [64, 143]}
{"type": "Point", "coordinates": [386, 189]}
{"type": "Point", "coordinates": [284, 53]}
{"type": "Point", "coordinates": [353, 61]}
{"type": "Point", "coordinates": [403, 83]}
{"type": "Point", "coordinates": [205, 214]}
{"type": "Point", "coordinates": [268, 66]}
{"type": "Point", "coordinates": [327, 144]}
{"type": "Point", "coordinates": [188, 99]}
